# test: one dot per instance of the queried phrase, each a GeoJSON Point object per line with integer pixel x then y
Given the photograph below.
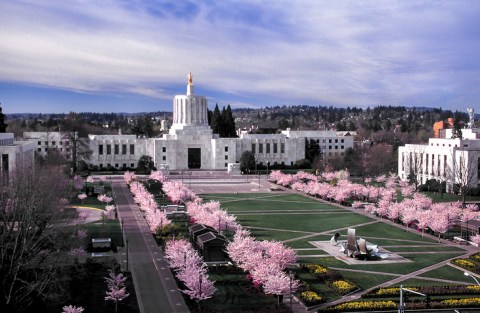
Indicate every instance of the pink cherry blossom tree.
{"type": "Point", "coordinates": [476, 240]}
{"type": "Point", "coordinates": [82, 197]}
{"type": "Point", "coordinates": [72, 309]}
{"type": "Point", "coordinates": [116, 288]}
{"type": "Point", "coordinates": [280, 283]}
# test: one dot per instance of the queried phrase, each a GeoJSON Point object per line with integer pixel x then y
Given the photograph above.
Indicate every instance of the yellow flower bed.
{"type": "Point", "coordinates": [364, 305]}
{"type": "Point", "coordinates": [476, 256]}
{"type": "Point", "coordinates": [473, 287]}
{"type": "Point", "coordinates": [462, 302]}
{"type": "Point", "coordinates": [464, 263]}
{"type": "Point", "coordinates": [310, 296]}
{"type": "Point", "coordinates": [316, 269]}
{"type": "Point", "coordinates": [391, 291]}
{"type": "Point", "coordinates": [344, 286]}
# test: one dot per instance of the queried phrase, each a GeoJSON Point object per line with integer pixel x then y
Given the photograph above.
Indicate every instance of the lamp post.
{"type": "Point", "coordinates": [268, 163]}
{"type": "Point", "coordinates": [127, 253]}
{"type": "Point", "coordinates": [199, 292]}
{"type": "Point", "coordinates": [401, 305]}
{"type": "Point", "coordinates": [468, 275]}
{"type": "Point", "coordinates": [291, 294]}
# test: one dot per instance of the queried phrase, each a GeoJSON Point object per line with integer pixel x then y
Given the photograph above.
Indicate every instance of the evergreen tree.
{"type": "Point", "coordinates": [228, 123]}
{"type": "Point", "coordinates": [247, 161]}
{"type": "Point", "coordinates": [216, 122]}
{"type": "Point", "coordinates": [3, 126]}
{"type": "Point", "coordinates": [312, 149]}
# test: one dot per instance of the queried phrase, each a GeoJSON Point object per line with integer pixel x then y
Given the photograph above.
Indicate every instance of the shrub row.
{"type": "Point", "coordinates": [429, 290]}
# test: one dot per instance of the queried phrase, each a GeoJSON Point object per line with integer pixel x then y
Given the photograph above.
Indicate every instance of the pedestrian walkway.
{"type": "Point", "coordinates": [155, 286]}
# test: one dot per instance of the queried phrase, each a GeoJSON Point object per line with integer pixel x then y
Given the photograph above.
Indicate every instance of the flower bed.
{"type": "Point", "coordinates": [315, 269]}
{"type": "Point", "coordinates": [361, 306]}
{"type": "Point", "coordinates": [429, 290]}
{"type": "Point", "coordinates": [461, 303]}
{"type": "Point", "coordinates": [310, 298]}
{"type": "Point", "coordinates": [343, 286]}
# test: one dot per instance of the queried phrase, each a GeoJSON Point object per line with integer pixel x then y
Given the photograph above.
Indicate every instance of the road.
{"type": "Point", "coordinates": [155, 286]}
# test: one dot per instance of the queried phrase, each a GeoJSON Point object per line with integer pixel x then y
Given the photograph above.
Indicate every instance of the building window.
{"type": "Point", "coordinates": [100, 149]}
{"type": "Point", "coordinates": [336, 147]}
{"type": "Point", "coordinates": [117, 148]}
{"type": "Point", "coordinates": [109, 149]}
{"type": "Point", "coordinates": [336, 140]}
{"type": "Point", "coordinates": [268, 147]}
{"type": "Point", "coordinates": [253, 148]}
{"type": "Point", "coordinates": [53, 143]}
{"type": "Point", "coordinates": [282, 147]}
{"type": "Point", "coordinates": [342, 147]}
{"type": "Point", "coordinates": [132, 149]}
{"type": "Point", "coordinates": [260, 148]}
{"type": "Point", "coordinates": [341, 140]}
{"type": "Point", "coordinates": [330, 147]}
{"type": "Point", "coordinates": [226, 149]}
{"type": "Point", "coordinates": [226, 157]}
{"type": "Point", "coordinates": [124, 165]}
{"type": "Point", "coordinates": [67, 143]}
{"type": "Point", "coordinates": [132, 165]}
{"type": "Point", "coordinates": [39, 143]}
{"type": "Point", "coordinates": [329, 140]}
{"type": "Point", "coordinates": [226, 164]}
{"type": "Point", "coordinates": [39, 149]}
{"type": "Point", "coordinates": [164, 158]}
{"type": "Point", "coordinates": [116, 164]}
{"type": "Point", "coordinates": [164, 149]}
{"type": "Point", "coordinates": [60, 143]}
{"type": "Point", "coordinates": [275, 146]}
{"type": "Point", "coordinates": [124, 150]}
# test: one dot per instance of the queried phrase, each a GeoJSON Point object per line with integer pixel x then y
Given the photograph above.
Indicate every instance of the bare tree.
{"type": "Point", "coordinates": [74, 132]}
{"type": "Point", "coordinates": [31, 236]}
{"type": "Point", "coordinates": [414, 164]}
{"type": "Point", "coordinates": [461, 174]}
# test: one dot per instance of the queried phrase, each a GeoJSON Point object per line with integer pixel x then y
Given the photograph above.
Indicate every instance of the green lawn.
{"type": "Point", "coordinates": [290, 217]}
{"type": "Point", "coordinates": [303, 222]}
{"type": "Point", "coordinates": [449, 273]}
{"type": "Point", "coordinates": [109, 229]}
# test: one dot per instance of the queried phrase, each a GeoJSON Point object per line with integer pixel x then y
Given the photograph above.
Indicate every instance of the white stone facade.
{"type": "Point", "coordinates": [191, 144]}
{"type": "Point", "coordinates": [454, 161]}
{"type": "Point", "coordinates": [14, 153]}
{"type": "Point", "coordinates": [45, 141]}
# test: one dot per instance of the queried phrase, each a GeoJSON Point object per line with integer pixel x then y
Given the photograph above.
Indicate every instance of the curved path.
{"type": "Point", "coordinates": [155, 285]}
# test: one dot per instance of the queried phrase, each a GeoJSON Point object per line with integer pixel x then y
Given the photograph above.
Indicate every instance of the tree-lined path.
{"type": "Point", "coordinates": [155, 286]}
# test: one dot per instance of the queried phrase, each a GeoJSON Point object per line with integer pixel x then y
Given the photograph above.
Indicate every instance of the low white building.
{"type": "Point", "coordinates": [45, 141]}
{"type": "Point", "coordinates": [191, 144]}
{"type": "Point", "coordinates": [14, 153]}
{"type": "Point", "coordinates": [449, 160]}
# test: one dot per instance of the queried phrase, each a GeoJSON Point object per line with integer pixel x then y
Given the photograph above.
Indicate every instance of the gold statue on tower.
{"type": "Point", "coordinates": [190, 79]}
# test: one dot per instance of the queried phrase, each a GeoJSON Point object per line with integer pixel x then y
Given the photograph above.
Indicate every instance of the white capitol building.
{"type": "Point", "coordinates": [191, 144]}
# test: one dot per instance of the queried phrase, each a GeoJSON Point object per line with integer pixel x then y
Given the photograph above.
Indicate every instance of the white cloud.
{"type": "Point", "coordinates": [323, 52]}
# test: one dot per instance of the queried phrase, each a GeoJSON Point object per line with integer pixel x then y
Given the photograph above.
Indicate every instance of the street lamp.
{"type": "Point", "coordinates": [401, 306]}
{"type": "Point", "coordinates": [468, 274]}
{"type": "Point", "coordinates": [199, 292]}
{"type": "Point", "coordinates": [268, 163]}
{"type": "Point", "coordinates": [291, 294]}
{"type": "Point", "coordinates": [127, 253]}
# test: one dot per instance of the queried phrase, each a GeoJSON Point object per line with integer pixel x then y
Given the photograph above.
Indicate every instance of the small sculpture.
{"type": "Point", "coordinates": [190, 79]}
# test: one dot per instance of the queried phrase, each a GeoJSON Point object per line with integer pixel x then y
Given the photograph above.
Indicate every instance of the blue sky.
{"type": "Point", "coordinates": [134, 55]}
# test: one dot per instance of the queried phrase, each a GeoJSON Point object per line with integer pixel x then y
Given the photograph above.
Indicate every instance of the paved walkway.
{"type": "Point", "coordinates": [155, 286]}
